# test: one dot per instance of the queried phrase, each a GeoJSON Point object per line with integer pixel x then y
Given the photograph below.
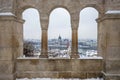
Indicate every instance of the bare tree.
{"type": "Point", "coordinates": [28, 48]}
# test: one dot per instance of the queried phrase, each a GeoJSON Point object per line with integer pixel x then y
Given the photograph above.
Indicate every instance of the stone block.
{"type": "Point", "coordinates": [17, 40]}
{"type": "Point", "coordinates": [6, 26]}
{"type": "Point", "coordinates": [112, 78]}
{"type": "Point", "coordinates": [86, 65]}
{"type": "Point", "coordinates": [41, 74]}
{"type": "Point", "coordinates": [113, 52]}
{"type": "Point", "coordinates": [113, 39]}
{"type": "Point", "coordinates": [63, 65]}
{"type": "Point", "coordinates": [75, 65]}
{"type": "Point", "coordinates": [5, 40]}
{"type": "Point", "coordinates": [6, 67]}
{"type": "Point", "coordinates": [18, 28]}
{"type": "Point", "coordinates": [17, 51]}
{"type": "Point", "coordinates": [64, 74]}
{"type": "Point", "coordinates": [81, 75]}
{"type": "Point", "coordinates": [7, 77]}
{"type": "Point", "coordinates": [94, 75]}
{"type": "Point", "coordinates": [113, 66]}
{"type": "Point", "coordinates": [6, 53]}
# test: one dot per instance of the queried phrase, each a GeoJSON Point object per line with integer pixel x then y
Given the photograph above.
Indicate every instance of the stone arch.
{"type": "Point", "coordinates": [62, 8]}
{"type": "Point", "coordinates": [66, 28]}
{"type": "Point", "coordinates": [90, 7]}
{"type": "Point", "coordinates": [97, 7]}
{"type": "Point", "coordinates": [89, 27]}
{"type": "Point", "coordinates": [96, 11]}
{"type": "Point", "coordinates": [55, 7]}
{"type": "Point", "coordinates": [22, 9]}
{"type": "Point", "coordinates": [32, 25]}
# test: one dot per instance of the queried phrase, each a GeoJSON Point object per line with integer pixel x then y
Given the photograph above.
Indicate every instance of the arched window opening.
{"type": "Point", "coordinates": [59, 34]}
{"type": "Point", "coordinates": [31, 33]}
{"type": "Point", "coordinates": [87, 32]}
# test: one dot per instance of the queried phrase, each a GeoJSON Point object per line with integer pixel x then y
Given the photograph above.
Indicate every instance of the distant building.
{"type": "Point", "coordinates": [87, 48]}
{"type": "Point", "coordinates": [61, 44]}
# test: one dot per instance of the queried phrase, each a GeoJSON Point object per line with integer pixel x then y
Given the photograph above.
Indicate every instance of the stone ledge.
{"type": "Point", "coordinates": [108, 76]}
{"type": "Point", "coordinates": [7, 77]}
{"type": "Point", "coordinates": [60, 74]}
{"type": "Point", "coordinates": [114, 75]}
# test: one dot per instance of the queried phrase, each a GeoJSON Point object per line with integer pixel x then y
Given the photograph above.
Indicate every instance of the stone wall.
{"type": "Point", "coordinates": [112, 5]}
{"type": "Point", "coordinates": [109, 36]}
{"type": "Point", "coordinates": [11, 40]}
{"type": "Point", "coordinates": [10, 44]}
{"type": "Point", "coordinates": [58, 68]}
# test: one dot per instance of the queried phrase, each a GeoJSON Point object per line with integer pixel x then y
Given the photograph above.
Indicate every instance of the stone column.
{"type": "Point", "coordinates": [101, 38]}
{"type": "Point", "coordinates": [111, 48]}
{"type": "Point", "coordinates": [11, 45]}
{"type": "Point", "coordinates": [74, 50]}
{"type": "Point", "coordinates": [44, 39]}
{"type": "Point", "coordinates": [74, 24]}
{"type": "Point", "coordinates": [44, 44]}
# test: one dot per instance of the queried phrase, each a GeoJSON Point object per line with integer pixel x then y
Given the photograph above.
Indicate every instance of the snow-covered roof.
{"type": "Point", "coordinates": [113, 12]}
{"type": "Point", "coordinates": [6, 14]}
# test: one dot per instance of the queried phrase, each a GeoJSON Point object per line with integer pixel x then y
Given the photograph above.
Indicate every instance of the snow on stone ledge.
{"type": "Point", "coordinates": [113, 12]}
{"type": "Point", "coordinates": [7, 14]}
{"type": "Point", "coordinates": [23, 57]}
{"type": "Point", "coordinates": [59, 79]}
{"type": "Point", "coordinates": [95, 57]}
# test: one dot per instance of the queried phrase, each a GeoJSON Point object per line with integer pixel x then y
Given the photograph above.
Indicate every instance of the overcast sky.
{"type": "Point", "coordinates": [59, 24]}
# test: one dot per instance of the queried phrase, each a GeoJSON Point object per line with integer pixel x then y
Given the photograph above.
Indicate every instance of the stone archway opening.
{"type": "Point", "coordinates": [87, 32]}
{"type": "Point", "coordinates": [31, 33]}
{"type": "Point", "coordinates": [59, 34]}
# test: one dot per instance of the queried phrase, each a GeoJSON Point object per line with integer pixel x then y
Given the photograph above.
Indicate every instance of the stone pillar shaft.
{"type": "Point", "coordinates": [74, 50]}
{"type": "Point", "coordinates": [110, 46]}
{"type": "Point", "coordinates": [11, 45]}
{"type": "Point", "coordinates": [44, 44]}
{"type": "Point", "coordinates": [101, 38]}
{"type": "Point", "coordinates": [44, 39]}
{"type": "Point", "coordinates": [74, 24]}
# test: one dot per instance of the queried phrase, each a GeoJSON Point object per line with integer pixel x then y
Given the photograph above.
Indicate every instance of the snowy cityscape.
{"type": "Point", "coordinates": [61, 48]}
{"type": "Point", "coordinates": [59, 39]}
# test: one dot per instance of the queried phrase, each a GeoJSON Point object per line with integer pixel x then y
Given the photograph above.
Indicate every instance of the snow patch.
{"type": "Point", "coordinates": [113, 12]}
{"type": "Point", "coordinates": [59, 79]}
{"type": "Point", "coordinates": [7, 14]}
{"type": "Point", "coordinates": [23, 57]}
{"type": "Point", "coordinates": [95, 57]}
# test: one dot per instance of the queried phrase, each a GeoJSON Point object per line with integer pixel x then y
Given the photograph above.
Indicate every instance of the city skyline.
{"type": "Point", "coordinates": [59, 24]}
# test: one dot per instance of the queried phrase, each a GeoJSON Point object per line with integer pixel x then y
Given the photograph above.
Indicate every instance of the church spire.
{"type": "Point", "coordinates": [59, 38]}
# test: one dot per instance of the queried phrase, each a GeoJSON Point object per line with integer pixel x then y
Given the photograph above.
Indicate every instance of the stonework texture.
{"type": "Point", "coordinates": [11, 40]}
{"type": "Point", "coordinates": [59, 68]}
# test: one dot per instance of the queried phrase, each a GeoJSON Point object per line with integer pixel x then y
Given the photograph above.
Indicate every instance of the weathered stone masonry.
{"type": "Point", "coordinates": [11, 39]}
